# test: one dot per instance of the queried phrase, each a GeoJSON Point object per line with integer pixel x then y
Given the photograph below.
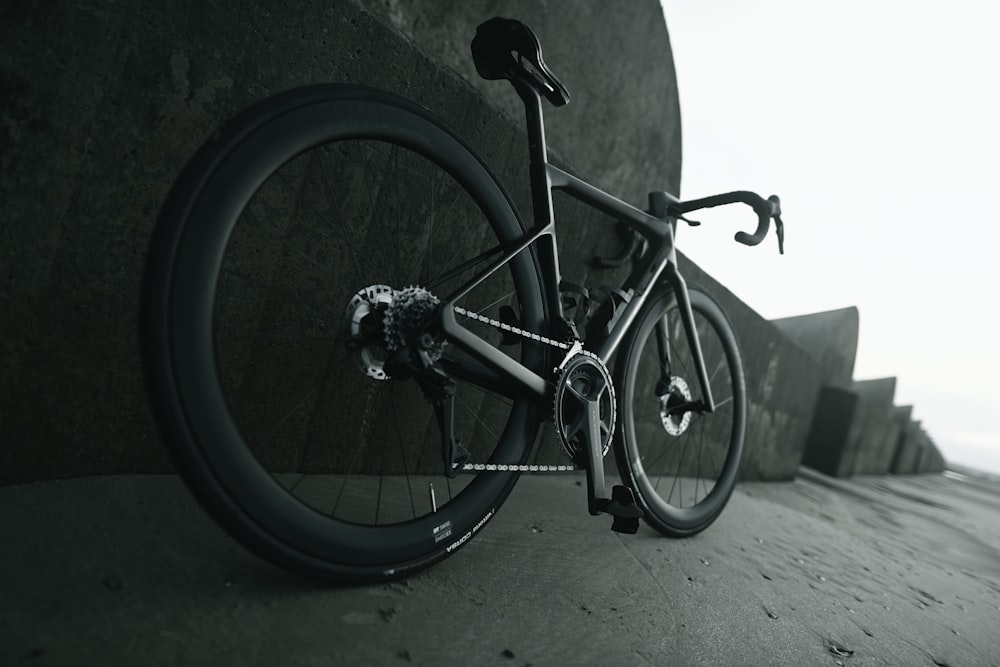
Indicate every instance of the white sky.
{"type": "Point", "coordinates": [878, 124]}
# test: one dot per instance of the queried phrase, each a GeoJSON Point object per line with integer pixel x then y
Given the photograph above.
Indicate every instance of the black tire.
{"type": "Point", "coordinates": [658, 453]}
{"type": "Point", "coordinates": [292, 209]}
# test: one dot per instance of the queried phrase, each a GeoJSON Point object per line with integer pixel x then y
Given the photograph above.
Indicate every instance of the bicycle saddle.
{"type": "Point", "coordinates": [506, 48]}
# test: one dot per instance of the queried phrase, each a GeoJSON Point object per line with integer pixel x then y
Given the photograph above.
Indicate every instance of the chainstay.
{"type": "Point", "coordinates": [503, 326]}
{"type": "Point", "coordinates": [515, 467]}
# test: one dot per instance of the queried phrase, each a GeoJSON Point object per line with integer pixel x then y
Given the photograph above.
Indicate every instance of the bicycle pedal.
{"type": "Point", "coordinates": [627, 526]}
{"type": "Point", "coordinates": [623, 508]}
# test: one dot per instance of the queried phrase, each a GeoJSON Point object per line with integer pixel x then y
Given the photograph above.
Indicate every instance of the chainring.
{"type": "Point", "coordinates": [582, 380]}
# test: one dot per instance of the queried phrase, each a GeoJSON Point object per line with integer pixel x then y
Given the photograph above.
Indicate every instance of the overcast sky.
{"type": "Point", "coordinates": [878, 124]}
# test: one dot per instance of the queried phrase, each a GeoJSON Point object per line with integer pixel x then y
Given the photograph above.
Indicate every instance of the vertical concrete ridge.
{"type": "Point", "coordinates": [830, 336]}
{"type": "Point", "coordinates": [881, 391]}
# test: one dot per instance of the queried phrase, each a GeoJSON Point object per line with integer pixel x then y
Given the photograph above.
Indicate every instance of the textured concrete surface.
{"type": "Point", "coordinates": [855, 430]}
{"type": "Point", "coordinates": [880, 391]}
{"type": "Point", "coordinates": [106, 107]}
{"type": "Point", "coordinates": [877, 438]}
{"type": "Point", "coordinates": [621, 129]}
{"type": "Point", "coordinates": [783, 385]}
{"type": "Point", "coordinates": [872, 571]}
{"type": "Point", "coordinates": [829, 449]}
{"type": "Point", "coordinates": [915, 451]}
{"type": "Point", "coordinates": [831, 337]}
{"type": "Point", "coordinates": [909, 449]}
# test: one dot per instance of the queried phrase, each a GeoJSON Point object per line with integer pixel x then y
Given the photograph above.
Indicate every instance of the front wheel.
{"type": "Point", "coordinates": [681, 463]}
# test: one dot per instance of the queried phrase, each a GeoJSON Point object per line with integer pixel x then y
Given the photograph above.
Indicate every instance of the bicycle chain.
{"type": "Point", "coordinates": [503, 326]}
{"type": "Point", "coordinates": [515, 467]}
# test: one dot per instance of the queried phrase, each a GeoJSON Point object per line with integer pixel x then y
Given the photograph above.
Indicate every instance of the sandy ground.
{"type": "Point", "coordinates": [872, 571]}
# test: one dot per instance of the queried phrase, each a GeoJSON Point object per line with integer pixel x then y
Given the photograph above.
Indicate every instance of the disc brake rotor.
{"type": "Point", "coordinates": [678, 394]}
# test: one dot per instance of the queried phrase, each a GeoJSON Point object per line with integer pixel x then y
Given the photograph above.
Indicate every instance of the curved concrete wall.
{"type": "Point", "coordinates": [880, 392]}
{"type": "Point", "coordinates": [621, 129]}
{"type": "Point", "coordinates": [831, 337]}
{"type": "Point", "coordinates": [105, 106]}
{"type": "Point", "coordinates": [102, 107]}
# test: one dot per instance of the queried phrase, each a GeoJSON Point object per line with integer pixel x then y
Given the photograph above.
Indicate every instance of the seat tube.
{"type": "Point", "coordinates": [541, 192]}
{"type": "Point", "coordinates": [691, 330]}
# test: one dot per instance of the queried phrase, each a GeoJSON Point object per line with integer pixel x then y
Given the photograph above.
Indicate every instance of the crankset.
{"type": "Point", "coordinates": [584, 414]}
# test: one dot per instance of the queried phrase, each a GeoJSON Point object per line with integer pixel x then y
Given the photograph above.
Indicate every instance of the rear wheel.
{"type": "Point", "coordinates": [301, 248]}
{"type": "Point", "coordinates": [682, 464]}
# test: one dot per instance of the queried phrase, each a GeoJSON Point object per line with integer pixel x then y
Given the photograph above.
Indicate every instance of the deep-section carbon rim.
{"type": "Point", "coordinates": [682, 465]}
{"type": "Point", "coordinates": [285, 227]}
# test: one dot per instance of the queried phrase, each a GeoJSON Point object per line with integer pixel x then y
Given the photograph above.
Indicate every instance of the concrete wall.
{"type": "Point", "coordinates": [880, 392]}
{"type": "Point", "coordinates": [833, 434]}
{"type": "Point", "coordinates": [916, 451]}
{"type": "Point", "coordinates": [106, 104]}
{"type": "Point", "coordinates": [831, 337]}
{"type": "Point", "coordinates": [102, 107]}
{"type": "Point", "coordinates": [783, 384]}
{"type": "Point", "coordinates": [621, 129]}
{"type": "Point", "coordinates": [856, 429]}
{"type": "Point", "coordinates": [876, 444]}
{"type": "Point", "coordinates": [909, 449]}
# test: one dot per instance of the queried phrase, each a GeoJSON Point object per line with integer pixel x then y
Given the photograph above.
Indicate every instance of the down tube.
{"type": "Point", "coordinates": [687, 317]}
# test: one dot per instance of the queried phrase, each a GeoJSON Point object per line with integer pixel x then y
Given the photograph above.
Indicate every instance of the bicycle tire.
{"type": "Point", "coordinates": [240, 301]}
{"type": "Point", "coordinates": [653, 444]}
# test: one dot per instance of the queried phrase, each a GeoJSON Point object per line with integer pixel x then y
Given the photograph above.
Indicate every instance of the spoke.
{"type": "Point", "coordinates": [717, 469]}
{"type": "Point", "coordinates": [429, 246]}
{"type": "Point", "coordinates": [722, 364]}
{"type": "Point", "coordinates": [487, 307]}
{"type": "Point", "coordinates": [697, 474]}
{"type": "Point", "coordinates": [475, 416]}
{"type": "Point", "coordinates": [719, 404]}
{"type": "Point", "coordinates": [399, 218]}
{"type": "Point", "coordinates": [463, 267]}
{"type": "Point", "coordinates": [663, 452]}
{"type": "Point", "coordinates": [264, 438]}
{"type": "Point", "coordinates": [381, 478]}
{"type": "Point", "coordinates": [402, 456]}
{"type": "Point", "coordinates": [276, 336]}
{"type": "Point", "coordinates": [354, 455]}
{"type": "Point", "coordinates": [334, 201]}
{"type": "Point", "coordinates": [435, 216]}
{"type": "Point", "coordinates": [292, 488]}
{"type": "Point", "coordinates": [680, 464]}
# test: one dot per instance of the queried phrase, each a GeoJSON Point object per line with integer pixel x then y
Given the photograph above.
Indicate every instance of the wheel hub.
{"type": "Point", "coordinates": [381, 321]}
{"type": "Point", "coordinates": [678, 394]}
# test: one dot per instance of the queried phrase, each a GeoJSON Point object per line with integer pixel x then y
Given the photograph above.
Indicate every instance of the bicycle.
{"type": "Point", "coordinates": [351, 339]}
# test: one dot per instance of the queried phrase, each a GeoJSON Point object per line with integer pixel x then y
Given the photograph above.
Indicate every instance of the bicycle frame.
{"type": "Point", "coordinates": [503, 373]}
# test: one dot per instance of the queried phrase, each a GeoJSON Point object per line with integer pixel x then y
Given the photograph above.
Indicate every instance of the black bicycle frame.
{"type": "Point", "coordinates": [504, 374]}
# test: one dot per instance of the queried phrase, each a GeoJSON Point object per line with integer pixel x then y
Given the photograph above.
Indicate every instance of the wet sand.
{"type": "Point", "coordinates": [871, 571]}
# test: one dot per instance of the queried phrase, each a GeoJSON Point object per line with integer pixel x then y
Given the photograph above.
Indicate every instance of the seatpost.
{"type": "Point", "coordinates": [541, 192]}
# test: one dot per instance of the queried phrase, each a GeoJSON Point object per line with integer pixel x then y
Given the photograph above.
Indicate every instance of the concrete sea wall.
{"type": "Point", "coordinates": [105, 104]}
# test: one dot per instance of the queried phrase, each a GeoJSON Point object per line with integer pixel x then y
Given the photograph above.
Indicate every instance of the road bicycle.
{"type": "Point", "coordinates": [351, 338]}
